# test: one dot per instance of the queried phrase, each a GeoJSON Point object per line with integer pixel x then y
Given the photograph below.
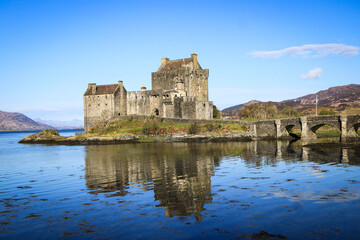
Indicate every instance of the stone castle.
{"type": "Point", "coordinates": [179, 90]}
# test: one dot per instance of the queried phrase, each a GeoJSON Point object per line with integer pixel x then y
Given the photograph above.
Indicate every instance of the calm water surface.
{"type": "Point", "coordinates": [252, 190]}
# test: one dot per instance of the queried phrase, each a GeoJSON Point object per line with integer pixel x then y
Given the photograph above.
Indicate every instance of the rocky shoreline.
{"type": "Point", "coordinates": [52, 137]}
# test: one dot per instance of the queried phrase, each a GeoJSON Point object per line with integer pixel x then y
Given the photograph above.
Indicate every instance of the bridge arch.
{"type": "Point", "coordinates": [309, 125]}
{"type": "Point", "coordinates": [290, 130]}
{"type": "Point", "coordinates": [285, 127]}
{"type": "Point", "coordinates": [315, 128]}
{"type": "Point", "coordinates": [354, 130]}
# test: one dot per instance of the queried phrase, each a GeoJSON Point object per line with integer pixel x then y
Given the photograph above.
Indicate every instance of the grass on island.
{"type": "Point", "coordinates": [327, 131]}
{"type": "Point", "coordinates": [157, 127]}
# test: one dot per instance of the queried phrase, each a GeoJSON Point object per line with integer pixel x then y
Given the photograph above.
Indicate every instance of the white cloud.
{"type": "Point", "coordinates": [315, 73]}
{"type": "Point", "coordinates": [310, 50]}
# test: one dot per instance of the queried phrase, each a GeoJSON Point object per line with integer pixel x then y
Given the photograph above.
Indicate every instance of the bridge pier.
{"type": "Point", "coordinates": [305, 154]}
{"type": "Point", "coordinates": [344, 133]}
{"type": "Point", "coordinates": [344, 155]}
{"type": "Point", "coordinates": [347, 132]}
{"type": "Point", "coordinates": [280, 133]}
{"type": "Point", "coordinates": [306, 133]}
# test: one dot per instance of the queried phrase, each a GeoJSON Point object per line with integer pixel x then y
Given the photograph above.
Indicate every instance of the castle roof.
{"type": "Point", "coordinates": [102, 89]}
{"type": "Point", "coordinates": [174, 64]}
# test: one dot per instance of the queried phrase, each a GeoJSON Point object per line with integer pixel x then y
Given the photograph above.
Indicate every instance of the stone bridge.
{"type": "Point", "coordinates": [281, 128]}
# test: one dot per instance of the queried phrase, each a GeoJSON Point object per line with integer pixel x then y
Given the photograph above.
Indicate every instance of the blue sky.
{"type": "Point", "coordinates": [264, 50]}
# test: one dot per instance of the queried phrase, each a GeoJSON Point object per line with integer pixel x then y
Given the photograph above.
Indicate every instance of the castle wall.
{"type": "Point", "coordinates": [179, 90]}
{"type": "Point", "coordinates": [188, 108]}
{"type": "Point", "coordinates": [167, 80]}
{"type": "Point", "coordinates": [120, 101]}
{"type": "Point", "coordinates": [145, 103]}
{"type": "Point", "coordinates": [197, 85]}
{"type": "Point", "coordinates": [96, 108]}
{"type": "Point", "coordinates": [204, 110]}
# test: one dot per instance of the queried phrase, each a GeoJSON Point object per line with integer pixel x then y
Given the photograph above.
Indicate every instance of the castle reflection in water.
{"type": "Point", "coordinates": [179, 174]}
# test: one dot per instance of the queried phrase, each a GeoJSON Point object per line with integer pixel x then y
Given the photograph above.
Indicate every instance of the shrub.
{"type": "Point", "coordinates": [150, 127]}
{"type": "Point", "coordinates": [216, 112]}
{"type": "Point", "coordinates": [193, 128]}
{"type": "Point", "coordinates": [259, 110]}
{"type": "Point", "coordinates": [327, 112]}
{"type": "Point", "coordinates": [290, 112]}
{"type": "Point", "coordinates": [210, 127]}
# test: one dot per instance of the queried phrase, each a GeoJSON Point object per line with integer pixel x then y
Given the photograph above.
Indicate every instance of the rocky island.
{"type": "Point", "coordinates": [147, 130]}
{"type": "Point", "coordinates": [132, 129]}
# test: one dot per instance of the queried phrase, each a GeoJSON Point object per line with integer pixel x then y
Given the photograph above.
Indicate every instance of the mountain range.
{"type": "Point", "coordinates": [58, 124]}
{"type": "Point", "coordinates": [339, 99]}
{"type": "Point", "coordinates": [10, 121]}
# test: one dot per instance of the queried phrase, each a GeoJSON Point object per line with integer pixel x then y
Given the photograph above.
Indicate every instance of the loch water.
{"type": "Point", "coordinates": [230, 190]}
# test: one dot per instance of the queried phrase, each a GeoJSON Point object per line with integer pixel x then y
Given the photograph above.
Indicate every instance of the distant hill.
{"type": "Point", "coordinates": [72, 124]}
{"type": "Point", "coordinates": [241, 105]}
{"type": "Point", "coordinates": [337, 98]}
{"type": "Point", "coordinates": [19, 122]}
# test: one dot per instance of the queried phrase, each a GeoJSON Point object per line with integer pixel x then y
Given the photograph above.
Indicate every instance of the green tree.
{"type": "Point", "coordinates": [290, 112]}
{"type": "Point", "coordinates": [259, 111]}
{"type": "Point", "coordinates": [216, 112]}
{"type": "Point", "coordinates": [327, 112]}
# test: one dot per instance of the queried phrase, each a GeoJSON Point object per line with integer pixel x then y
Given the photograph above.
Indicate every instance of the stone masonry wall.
{"type": "Point", "coordinates": [98, 107]}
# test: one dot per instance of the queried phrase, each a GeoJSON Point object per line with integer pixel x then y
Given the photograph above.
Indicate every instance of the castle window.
{"type": "Point", "coordinates": [204, 104]}
{"type": "Point", "coordinates": [118, 114]}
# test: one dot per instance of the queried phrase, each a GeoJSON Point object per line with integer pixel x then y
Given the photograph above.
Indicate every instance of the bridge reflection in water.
{"type": "Point", "coordinates": [180, 174]}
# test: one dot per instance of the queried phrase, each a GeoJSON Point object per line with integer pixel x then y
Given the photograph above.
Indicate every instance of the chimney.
{"type": "Point", "coordinates": [194, 59]}
{"type": "Point", "coordinates": [120, 83]}
{"type": "Point", "coordinates": [143, 88]}
{"type": "Point", "coordinates": [93, 88]}
{"type": "Point", "coordinates": [164, 60]}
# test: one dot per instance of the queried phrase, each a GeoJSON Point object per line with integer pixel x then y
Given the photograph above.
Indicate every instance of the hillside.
{"type": "Point", "coordinates": [339, 99]}
{"type": "Point", "coordinates": [19, 122]}
{"type": "Point", "coordinates": [241, 105]}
